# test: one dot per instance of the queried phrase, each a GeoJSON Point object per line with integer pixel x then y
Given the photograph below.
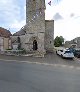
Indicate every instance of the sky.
{"type": "Point", "coordinates": [65, 13]}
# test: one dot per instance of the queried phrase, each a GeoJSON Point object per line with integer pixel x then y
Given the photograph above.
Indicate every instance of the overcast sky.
{"type": "Point", "coordinates": [66, 14]}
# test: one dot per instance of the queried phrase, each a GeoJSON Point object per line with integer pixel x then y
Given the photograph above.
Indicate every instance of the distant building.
{"type": "Point", "coordinates": [5, 41]}
{"type": "Point", "coordinates": [75, 43]}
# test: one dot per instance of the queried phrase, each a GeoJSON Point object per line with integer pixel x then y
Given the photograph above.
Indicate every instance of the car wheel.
{"type": "Point", "coordinates": [56, 53]}
{"type": "Point", "coordinates": [61, 55]}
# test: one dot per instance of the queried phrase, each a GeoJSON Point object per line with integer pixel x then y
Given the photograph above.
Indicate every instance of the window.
{"type": "Point", "coordinates": [61, 50]}
{"type": "Point", "coordinates": [67, 51]}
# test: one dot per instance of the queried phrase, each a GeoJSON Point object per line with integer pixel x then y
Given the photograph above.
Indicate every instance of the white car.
{"type": "Point", "coordinates": [59, 52]}
{"type": "Point", "coordinates": [65, 53]}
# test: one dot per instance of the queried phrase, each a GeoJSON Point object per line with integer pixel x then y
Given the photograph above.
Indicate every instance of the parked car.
{"type": "Point", "coordinates": [58, 52]}
{"type": "Point", "coordinates": [65, 53]}
{"type": "Point", "coordinates": [77, 53]}
{"type": "Point", "coordinates": [72, 50]}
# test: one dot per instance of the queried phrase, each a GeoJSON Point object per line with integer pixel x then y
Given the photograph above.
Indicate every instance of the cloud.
{"type": "Point", "coordinates": [56, 2]}
{"type": "Point", "coordinates": [17, 25]}
{"type": "Point", "coordinates": [69, 6]}
{"type": "Point", "coordinates": [69, 26]}
{"type": "Point", "coordinates": [53, 2]}
{"type": "Point", "coordinates": [57, 16]}
{"type": "Point", "coordinates": [69, 29]}
{"type": "Point", "coordinates": [64, 8]}
{"type": "Point", "coordinates": [51, 10]}
{"type": "Point", "coordinates": [8, 10]}
{"type": "Point", "coordinates": [11, 10]}
{"type": "Point", "coordinates": [72, 15]}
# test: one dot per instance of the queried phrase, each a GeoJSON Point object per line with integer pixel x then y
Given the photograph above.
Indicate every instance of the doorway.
{"type": "Point", "coordinates": [35, 45]}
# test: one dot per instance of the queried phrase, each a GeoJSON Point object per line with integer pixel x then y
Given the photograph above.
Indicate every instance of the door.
{"type": "Point", "coordinates": [35, 45]}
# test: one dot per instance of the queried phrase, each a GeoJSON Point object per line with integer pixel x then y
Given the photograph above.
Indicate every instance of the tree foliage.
{"type": "Point", "coordinates": [58, 41]}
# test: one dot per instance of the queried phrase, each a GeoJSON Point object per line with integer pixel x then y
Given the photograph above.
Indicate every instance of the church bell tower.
{"type": "Point", "coordinates": [35, 21]}
{"type": "Point", "coordinates": [35, 9]}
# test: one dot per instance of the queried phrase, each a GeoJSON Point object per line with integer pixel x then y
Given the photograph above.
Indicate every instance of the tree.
{"type": "Point", "coordinates": [62, 39]}
{"type": "Point", "coordinates": [58, 41]}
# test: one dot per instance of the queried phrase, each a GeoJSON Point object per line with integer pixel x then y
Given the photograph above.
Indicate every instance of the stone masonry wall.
{"type": "Point", "coordinates": [35, 20]}
{"type": "Point", "coordinates": [22, 39]}
{"type": "Point", "coordinates": [49, 35]}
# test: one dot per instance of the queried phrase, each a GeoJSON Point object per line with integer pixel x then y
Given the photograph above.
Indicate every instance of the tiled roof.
{"type": "Point", "coordinates": [21, 32]}
{"type": "Point", "coordinates": [4, 32]}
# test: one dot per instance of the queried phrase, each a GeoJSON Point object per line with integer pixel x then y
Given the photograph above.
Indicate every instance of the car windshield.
{"type": "Point", "coordinates": [77, 50]}
{"type": "Point", "coordinates": [68, 52]}
{"type": "Point", "coordinates": [61, 50]}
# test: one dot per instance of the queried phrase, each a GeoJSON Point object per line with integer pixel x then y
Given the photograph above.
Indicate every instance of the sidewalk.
{"type": "Point", "coordinates": [48, 58]}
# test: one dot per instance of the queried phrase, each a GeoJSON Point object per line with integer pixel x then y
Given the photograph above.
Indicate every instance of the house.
{"type": "Point", "coordinates": [38, 33]}
{"type": "Point", "coordinates": [5, 41]}
{"type": "Point", "coordinates": [75, 43]}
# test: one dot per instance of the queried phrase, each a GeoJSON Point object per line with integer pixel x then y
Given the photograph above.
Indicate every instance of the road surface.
{"type": "Point", "coordinates": [31, 77]}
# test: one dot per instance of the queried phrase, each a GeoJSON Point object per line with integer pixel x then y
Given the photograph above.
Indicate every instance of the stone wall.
{"type": "Point", "coordinates": [6, 43]}
{"type": "Point", "coordinates": [39, 37]}
{"type": "Point", "coordinates": [1, 43]}
{"type": "Point", "coordinates": [78, 42]}
{"type": "Point", "coordinates": [67, 44]}
{"type": "Point", "coordinates": [22, 39]}
{"type": "Point", "coordinates": [49, 35]}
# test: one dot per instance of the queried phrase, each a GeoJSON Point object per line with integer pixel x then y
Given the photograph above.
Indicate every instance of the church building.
{"type": "Point", "coordinates": [38, 33]}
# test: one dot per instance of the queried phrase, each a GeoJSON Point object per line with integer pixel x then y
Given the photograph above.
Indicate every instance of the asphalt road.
{"type": "Point", "coordinates": [50, 58]}
{"type": "Point", "coordinates": [29, 77]}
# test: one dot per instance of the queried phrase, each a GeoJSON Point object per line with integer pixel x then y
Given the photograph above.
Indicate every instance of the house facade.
{"type": "Point", "coordinates": [75, 43]}
{"type": "Point", "coordinates": [5, 41]}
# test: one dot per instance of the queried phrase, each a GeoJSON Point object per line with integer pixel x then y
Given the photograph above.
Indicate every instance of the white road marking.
{"type": "Point", "coordinates": [64, 65]}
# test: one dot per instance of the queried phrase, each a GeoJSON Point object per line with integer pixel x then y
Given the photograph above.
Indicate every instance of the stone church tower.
{"type": "Point", "coordinates": [38, 34]}
{"type": "Point", "coordinates": [35, 25]}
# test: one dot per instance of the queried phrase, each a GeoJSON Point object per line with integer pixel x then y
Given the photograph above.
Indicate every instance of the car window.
{"type": "Point", "coordinates": [77, 51]}
{"type": "Point", "coordinates": [61, 50]}
{"type": "Point", "coordinates": [68, 52]}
